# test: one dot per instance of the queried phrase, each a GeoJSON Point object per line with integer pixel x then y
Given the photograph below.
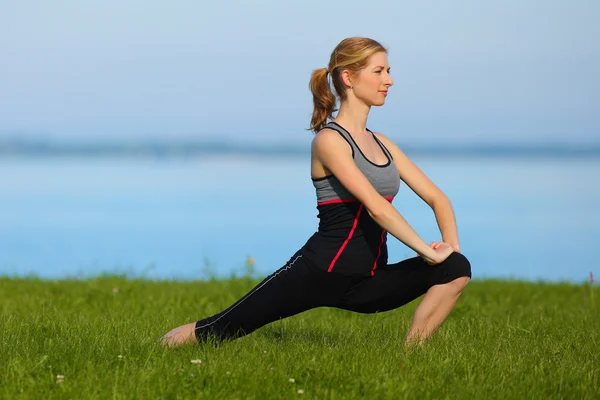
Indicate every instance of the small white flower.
{"type": "Point", "coordinates": [292, 380]}
{"type": "Point", "coordinates": [60, 378]}
{"type": "Point", "coordinates": [197, 362]}
{"type": "Point", "coordinates": [300, 391]}
{"type": "Point", "coordinates": [120, 356]}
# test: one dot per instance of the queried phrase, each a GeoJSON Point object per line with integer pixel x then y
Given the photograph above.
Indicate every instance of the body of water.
{"type": "Point", "coordinates": [526, 218]}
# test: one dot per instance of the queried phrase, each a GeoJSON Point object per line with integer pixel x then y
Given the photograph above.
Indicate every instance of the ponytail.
{"type": "Point", "coordinates": [323, 99]}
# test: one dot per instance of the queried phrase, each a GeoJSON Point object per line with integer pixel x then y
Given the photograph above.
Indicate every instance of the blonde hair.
{"type": "Point", "coordinates": [350, 54]}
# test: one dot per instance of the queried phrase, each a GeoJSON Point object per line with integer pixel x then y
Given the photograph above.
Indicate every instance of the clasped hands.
{"type": "Point", "coordinates": [442, 251]}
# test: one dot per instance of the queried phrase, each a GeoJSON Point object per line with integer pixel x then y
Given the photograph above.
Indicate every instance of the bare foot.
{"type": "Point", "coordinates": [179, 336]}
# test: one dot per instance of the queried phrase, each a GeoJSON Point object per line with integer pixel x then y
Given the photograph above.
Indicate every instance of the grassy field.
{"type": "Point", "coordinates": [97, 338]}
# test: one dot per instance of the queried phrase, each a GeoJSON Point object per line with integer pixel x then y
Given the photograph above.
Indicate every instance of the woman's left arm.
{"type": "Point", "coordinates": [427, 191]}
{"type": "Point", "coordinates": [444, 215]}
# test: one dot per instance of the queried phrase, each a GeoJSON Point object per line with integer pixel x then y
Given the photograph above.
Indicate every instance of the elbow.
{"type": "Point", "coordinates": [375, 213]}
{"type": "Point", "coordinates": [441, 198]}
{"type": "Point", "coordinates": [380, 210]}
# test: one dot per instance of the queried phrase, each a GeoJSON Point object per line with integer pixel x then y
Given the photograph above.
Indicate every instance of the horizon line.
{"type": "Point", "coordinates": [186, 148]}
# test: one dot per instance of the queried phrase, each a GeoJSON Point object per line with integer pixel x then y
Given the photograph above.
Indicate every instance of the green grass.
{"type": "Point", "coordinates": [506, 340]}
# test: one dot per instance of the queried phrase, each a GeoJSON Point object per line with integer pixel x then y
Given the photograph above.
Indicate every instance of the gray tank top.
{"type": "Point", "coordinates": [384, 178]}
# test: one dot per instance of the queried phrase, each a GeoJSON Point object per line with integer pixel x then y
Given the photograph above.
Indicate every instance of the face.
{"type": "Point", "coordinates": [372, 82]}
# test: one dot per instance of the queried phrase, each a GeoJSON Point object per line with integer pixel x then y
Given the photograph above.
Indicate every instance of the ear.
{"type": "Point", "coordinates": [347, 78]}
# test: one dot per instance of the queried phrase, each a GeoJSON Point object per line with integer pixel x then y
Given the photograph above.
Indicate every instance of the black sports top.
{"type": "Point", "coordinates": [348, 240]}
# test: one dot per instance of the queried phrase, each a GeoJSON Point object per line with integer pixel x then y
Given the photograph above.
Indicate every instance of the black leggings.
{"type": "Point", "coordinates": [299, 286]}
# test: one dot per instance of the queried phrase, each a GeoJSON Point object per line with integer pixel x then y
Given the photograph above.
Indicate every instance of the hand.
{"type": "Point", "coordinates": [442, 251]}
{"type": "Point", "coordinates": [435, 245]}
{"type": "Point", "coordinates": [455, 246]}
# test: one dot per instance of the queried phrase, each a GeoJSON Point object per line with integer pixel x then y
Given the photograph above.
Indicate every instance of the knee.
{"type": "Point", "coordinates": [460, 283]}
{"type": "Point", "coordinates": [461, 266]}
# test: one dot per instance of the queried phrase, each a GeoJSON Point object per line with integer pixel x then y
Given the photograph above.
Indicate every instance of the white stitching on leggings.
{"type": "Point", "coordinates": [285, 268]}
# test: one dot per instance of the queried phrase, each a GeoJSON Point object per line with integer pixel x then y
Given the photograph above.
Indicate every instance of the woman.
{"type": "Point", "coordinates": [356, 174]}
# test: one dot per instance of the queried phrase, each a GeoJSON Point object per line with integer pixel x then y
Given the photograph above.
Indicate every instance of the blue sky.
{"type": "Point", "coordinates": [464, 71]}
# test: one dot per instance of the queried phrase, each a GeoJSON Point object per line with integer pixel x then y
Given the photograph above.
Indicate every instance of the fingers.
{"type": "Point", "coordinates": [433, 245]}
{"type": "Point", "coordinates": [444, 248]}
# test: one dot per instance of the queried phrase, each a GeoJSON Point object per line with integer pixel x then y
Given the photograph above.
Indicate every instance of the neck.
{"type": "Point", "coordinates": [353, 115]}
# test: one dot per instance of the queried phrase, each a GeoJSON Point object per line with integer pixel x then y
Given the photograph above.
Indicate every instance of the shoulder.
{"type": "Point", "coordinates": [327, 140]}
{"type": "Point", "coordinates": [326, 135]}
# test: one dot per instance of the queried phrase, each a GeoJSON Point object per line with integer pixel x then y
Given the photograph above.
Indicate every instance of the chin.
{"type": "Point", "coordinates": [374, 102]}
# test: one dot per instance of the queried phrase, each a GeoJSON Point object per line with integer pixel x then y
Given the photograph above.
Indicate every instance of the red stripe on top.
{"type": "Point", "coordinates": [339, 253]}
{"type": "Point", "coordinates": [335, 201]}
{"type": "Point", "coordinates": [322, 203]}
{"type": "Point", "coordinates": [378, 253]}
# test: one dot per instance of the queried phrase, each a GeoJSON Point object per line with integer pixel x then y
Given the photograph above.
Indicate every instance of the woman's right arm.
{"type": "Point", "coordinates": [333, 152]}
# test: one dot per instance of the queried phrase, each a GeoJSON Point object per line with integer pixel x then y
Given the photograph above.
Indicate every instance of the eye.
{"type": "Point", "coordinates": [378, 71]}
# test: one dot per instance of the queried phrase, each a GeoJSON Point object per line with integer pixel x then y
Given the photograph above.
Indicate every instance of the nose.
{"type": "Point", "coordinates": [388, 80]}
